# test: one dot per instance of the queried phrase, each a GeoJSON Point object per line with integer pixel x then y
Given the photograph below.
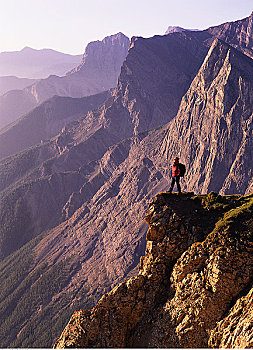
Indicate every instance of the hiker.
{"type": "Point", "coordinates": [177, 171]}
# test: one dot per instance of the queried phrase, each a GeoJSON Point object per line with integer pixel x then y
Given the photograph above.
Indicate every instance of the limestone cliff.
{"type": "Point", "coordinates": [212, 131]}
{"type": "Point", "coordinates": [194, 287]}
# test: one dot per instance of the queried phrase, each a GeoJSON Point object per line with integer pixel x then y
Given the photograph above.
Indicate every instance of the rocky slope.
{"type": "Point", "coordinates": [196, 272]}
{"type": "Point", "coordinates": [36, 64]}
{"type": "Point", "coordinates": [98, 71]}
{"type": "Point", "coordinates": [46, 121]}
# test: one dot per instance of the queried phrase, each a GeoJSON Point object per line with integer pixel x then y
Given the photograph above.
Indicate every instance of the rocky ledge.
{"type": "Point", "coordinates": [194, 287]}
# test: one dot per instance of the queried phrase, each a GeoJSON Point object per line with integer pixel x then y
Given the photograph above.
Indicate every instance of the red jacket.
{"type": "Point", "coordinates": [175, 170]}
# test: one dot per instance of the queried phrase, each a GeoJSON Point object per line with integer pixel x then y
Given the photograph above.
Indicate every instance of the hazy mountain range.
{"type": "Point", "coordinates": [36, 64]}
{"type": "Point", "coordinates": [46, 121]}
{"type": "Point", "coordinates": [72, 206]}
{"type": "Point", "coordinates": [97, 72]}
{"type": "Point", "coordinates": [9, 83]}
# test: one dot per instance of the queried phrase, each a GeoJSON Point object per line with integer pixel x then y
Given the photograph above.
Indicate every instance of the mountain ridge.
{"type": "Point", "coordinates": [46, 121]}
{"type": "Point", "coordinates": [239, 32]}
{"type": "Point", "coordinates": [8, 83]}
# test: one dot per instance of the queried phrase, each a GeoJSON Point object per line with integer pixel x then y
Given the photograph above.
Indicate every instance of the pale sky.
{"type": "Point", "coordinates": [69, 25]}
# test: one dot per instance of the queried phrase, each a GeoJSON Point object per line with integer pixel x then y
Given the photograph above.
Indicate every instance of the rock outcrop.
{"type": "Point", "coordinates": [191, 284]}
{"type": "Point", "coordinates": [235, 330]}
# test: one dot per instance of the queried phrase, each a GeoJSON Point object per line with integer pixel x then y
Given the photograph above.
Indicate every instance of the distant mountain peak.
{"type": "Point", "coordinates": [27, 48]}
{"type": "Point", "coordinates": [116, 36]}
{"type": "Point", "coordinates": [176, 29]}
{"type": "Point", "coordinates": [107, 50]}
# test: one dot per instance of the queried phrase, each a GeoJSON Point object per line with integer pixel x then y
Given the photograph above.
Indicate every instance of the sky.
{"type": "Point", "coordinates": [69, 25]}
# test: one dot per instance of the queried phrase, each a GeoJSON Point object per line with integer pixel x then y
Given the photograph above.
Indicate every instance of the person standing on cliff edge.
{"type": "Point", "coordinates": [176, 173]}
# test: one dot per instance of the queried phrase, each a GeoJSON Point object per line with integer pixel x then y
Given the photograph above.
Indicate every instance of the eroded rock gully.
{"type": "Point", "coordinates": [194, 283]}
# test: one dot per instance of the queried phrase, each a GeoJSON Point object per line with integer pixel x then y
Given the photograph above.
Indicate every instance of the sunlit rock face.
{"type": "Point", "coordinates": [238, 34]}
{"type": "Point", "coordinates": [197, 266]}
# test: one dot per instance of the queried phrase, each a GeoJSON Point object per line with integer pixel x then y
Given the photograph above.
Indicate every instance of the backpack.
{"type": "Point", "coordinates": [182, 169]}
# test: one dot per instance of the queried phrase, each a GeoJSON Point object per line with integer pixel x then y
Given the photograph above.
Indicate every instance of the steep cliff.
{"type": "Point", "coordinates": [98, 71]}
{"type": "Point", "coordinates": [108, 54]}
{"type": "Point", "coordinates": [193, 281]}
{"type": "Point", "coordinates": [213, 129]}
{"type": "Point", "coordinates": [155, 75]}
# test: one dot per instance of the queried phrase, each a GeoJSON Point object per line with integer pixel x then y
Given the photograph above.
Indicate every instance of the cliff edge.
{"type": "Point", "coordinates": [194, 287]}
